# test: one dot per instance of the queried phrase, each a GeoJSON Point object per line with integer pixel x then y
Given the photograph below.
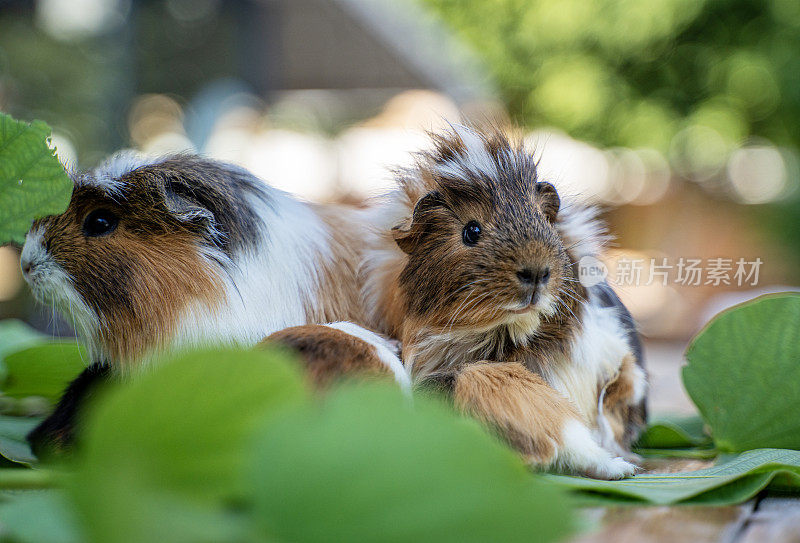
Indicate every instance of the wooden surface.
{"type": "Point", "coordinates": [765, 519]}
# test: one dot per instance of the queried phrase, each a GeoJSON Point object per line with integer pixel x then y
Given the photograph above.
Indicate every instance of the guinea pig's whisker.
{"type": "Point", "coordinates": [465, 307]}
{"type": "Point", "coordinates": [459, 289]}
{"type": "Point", "coordinates": [449, 324]}
{"type": "Point", "coordinates": [75, 327]}
{"type": "Point", "coordinates": [476, 301]}
{"type": "Point", "coordinates": [571, 295]}
{"type": "Point", "coordinates": [53, 322]}
{"type": "Point", "coordinates": [576, 243]}
{"type": "Point", "coordinates": [469, 307]}
{"type": "Point", "coordinates": [496, 308]}
{"type": "Point", "coordinates": [563, 303]}
{"type": "Point", "coordinates": [567, 291]}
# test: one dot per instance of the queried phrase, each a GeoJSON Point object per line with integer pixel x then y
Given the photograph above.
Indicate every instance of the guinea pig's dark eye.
{"type": "Point", "coordinates": [471, 233]}
{"type": "Point", "coordinates": [99, 222]}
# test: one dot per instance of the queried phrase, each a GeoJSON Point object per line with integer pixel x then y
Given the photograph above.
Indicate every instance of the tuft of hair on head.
{"type": "Point", "coordinates": [108, 175]}
{"type": "Point", "coordinates": [479, 163]}
{"type": "Point", "coordinates": [468, 161]}
{"type": "Point", "coordinates": [481, 169]}
{"type": "Point", "coordinates": [461, 154]}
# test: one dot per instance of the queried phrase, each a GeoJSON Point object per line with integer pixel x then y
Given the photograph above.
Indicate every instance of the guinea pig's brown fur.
{"type": "Point", "coordinates": [533, 418]}
{"type": "Point", "coordinates": [337, 351]}
{"type": "Point", "coordinates": [518, 403]}
{"type": "Point", "coordinates": [156, 269]}
{"type": "Point", "coordinates": [511, 293]}
{"type": "Point", "coordinates": [442, 287]}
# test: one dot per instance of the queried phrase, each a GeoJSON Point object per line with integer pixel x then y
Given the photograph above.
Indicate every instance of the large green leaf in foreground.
{"type": "Point", "coordinates": [368, 466]}
{"type": "Point", "coordinates": [227, 446]}
{"type": "Point", "coordinates": [162, 456]}
{"type": "Point", "coordinates": [744, 374]}
{"type": "Point", "coordinates": [32, 181]}
{"type": "Point", "coordinates": [733, 481]}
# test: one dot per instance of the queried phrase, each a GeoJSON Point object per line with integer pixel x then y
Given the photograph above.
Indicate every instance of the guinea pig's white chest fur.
{"type": "Point", "coordinates": [596, 351]}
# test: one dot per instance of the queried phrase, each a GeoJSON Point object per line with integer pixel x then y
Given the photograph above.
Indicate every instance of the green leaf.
{"type": "Point", "coordinates": [15, 335]}
{"type": "Point", "coordinates": [162, 456]}
{"type": "Point", "coordinates": [734, 481]}
{"type": "Point", "coordinates": [33, 183]}
{"type": "Point", "coordinates": [39, 517]}
{"type": "Point", "coordinates": [13, 445]}
{"type": "Point", "coordinates": [678, 432]}
{"type": "Point", "coordinates": [366, 466]}
{"type": "Point", "coordinates": [43, 370]}
{"type": "Point", "coordinates": [743, 374]}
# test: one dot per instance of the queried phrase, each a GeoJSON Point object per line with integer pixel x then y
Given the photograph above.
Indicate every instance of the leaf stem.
{"type": "Point", "coordinates": [27, 479]}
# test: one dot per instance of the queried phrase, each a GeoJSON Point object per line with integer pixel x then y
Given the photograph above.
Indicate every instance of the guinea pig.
{"type": "Point", "coordinates": [153, 254]}
{"type": "Point", "coordinates": [476, 272]}
{"type": "Point", "coordinates": [181, 251]}
{"type": "Point", "coordinates": [342, 350]}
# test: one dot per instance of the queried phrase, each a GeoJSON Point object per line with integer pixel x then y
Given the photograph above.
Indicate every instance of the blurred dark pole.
{"type": "Point", "coordinates": [258, 40]}
{"type": "Point", "coordinates": [119, 57]}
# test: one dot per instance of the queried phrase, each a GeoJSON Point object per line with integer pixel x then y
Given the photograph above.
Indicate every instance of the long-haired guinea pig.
{"type": "Point", "coordinates": [177, 251]}
{"type": "Point", "coordinates": [477, 275]}
{"type": "Point", "coordinates": [153, 254]}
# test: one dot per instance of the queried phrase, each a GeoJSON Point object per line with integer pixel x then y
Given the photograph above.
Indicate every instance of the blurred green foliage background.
{"type": "Point", "coordinates": [693, 79]}
{"type": "Point", "coordinates": [635, 73]}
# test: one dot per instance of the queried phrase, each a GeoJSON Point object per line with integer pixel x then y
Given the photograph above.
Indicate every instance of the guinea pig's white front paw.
{"type": "Point", "coordinates": [613, 468]}
{"type": "Point", "coordinates": [580, 453]}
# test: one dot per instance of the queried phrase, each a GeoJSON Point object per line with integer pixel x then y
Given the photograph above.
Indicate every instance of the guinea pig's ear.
{"type": "Point", "coordinates": [407, 235]}
{"type": "Point", "coordinates": [191, 213]}
{"type": "Point", "coordinates": [548, 200]}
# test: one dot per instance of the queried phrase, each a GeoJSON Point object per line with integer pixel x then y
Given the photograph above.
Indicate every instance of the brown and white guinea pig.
{"type": "Point", "coordinates": [153, 254]}
{"type": "Point", "coordinates": [343, 350]}
{"type": "Point", "coordinates": [477, 274]}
